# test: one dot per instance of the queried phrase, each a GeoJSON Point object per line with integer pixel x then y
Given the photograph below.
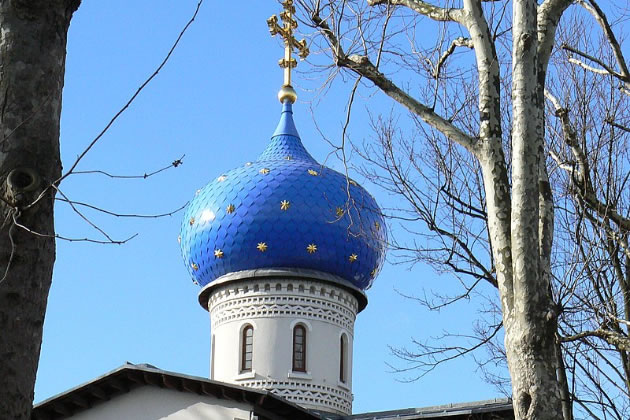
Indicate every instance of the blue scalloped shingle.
{"type": "Point", "coordinates": [257, 190]}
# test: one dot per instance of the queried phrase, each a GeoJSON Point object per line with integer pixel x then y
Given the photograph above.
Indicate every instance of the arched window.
{"type": "Point", "coordinates": [299, 348]}
{"type": "Point", "coordinates": [343, 350]}
{"type": "Point", "coordinates": [247, 348]}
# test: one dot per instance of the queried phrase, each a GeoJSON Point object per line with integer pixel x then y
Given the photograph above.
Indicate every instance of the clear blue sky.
{"type": "Point", "coordinates": [215, 102]}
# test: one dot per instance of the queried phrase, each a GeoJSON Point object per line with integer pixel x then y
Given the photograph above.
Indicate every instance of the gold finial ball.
{"type": "Point", "coordinates": [287, 93]}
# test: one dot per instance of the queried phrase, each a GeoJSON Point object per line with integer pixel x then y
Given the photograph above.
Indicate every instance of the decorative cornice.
{"type": "Point", "coordinates": [273, 274]}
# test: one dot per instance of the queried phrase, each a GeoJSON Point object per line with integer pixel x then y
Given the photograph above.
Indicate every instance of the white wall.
{"type": "Point", "coordinates": [273, 307]}
{"type": "Point", "coordinates": [152, 403]}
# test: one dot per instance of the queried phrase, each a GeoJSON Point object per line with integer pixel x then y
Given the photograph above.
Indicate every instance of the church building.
{"type": "Point", "coordinates": [283, 249]}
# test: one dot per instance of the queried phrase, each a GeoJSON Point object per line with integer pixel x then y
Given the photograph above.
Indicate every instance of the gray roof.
{"type": "Point", "coordinates": [500, 408]}
{"type": "Point", "coordinates": [128, 377]}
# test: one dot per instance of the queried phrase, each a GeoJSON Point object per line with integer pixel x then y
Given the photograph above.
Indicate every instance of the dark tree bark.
{"type": "Point", "coordinates": [32, 64]}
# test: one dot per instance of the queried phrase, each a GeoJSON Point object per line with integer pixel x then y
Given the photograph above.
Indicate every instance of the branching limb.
{"type": "Point", "coordinates": [570, 138]}
{"type": "Point", "coordinates": [457, 42]}
{"type": "Point", "coordinates": [617, 125]}
{"type": "Point", "coordinates": [605, 69]}
{"type": "Point", "coordinates": [82, 216]}
{"type": "Point", "coordinates": [581, 177]}
{"type": "Point", "coordinates": [362, 66]}
{"type": "Point", "coordinates": [620, 341]}
{"type": "Point", "coordinates": [602, 20]}
{"type": "Point", "coordinates": [429, 10]}
{"type": "Point", "coordinates": [430, 357]}
{"type": "Point", "coordinates": [622, 74]}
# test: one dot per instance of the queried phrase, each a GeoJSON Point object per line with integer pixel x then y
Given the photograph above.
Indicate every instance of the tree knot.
{"type": "Point", "coordinates": [358, 59]}
{"type": "Point", "coordinates": [561, 112]}
{"type": "Point", "coordinates": [21, 182]}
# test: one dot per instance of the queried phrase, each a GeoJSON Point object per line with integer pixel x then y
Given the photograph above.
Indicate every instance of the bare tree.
{"type": "Point", "coordinates": [517, 142]}
{"type": "Point", "coordinates": [32, 53]}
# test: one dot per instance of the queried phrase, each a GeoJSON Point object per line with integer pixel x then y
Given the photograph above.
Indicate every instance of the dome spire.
{"type": "Point", "coordinates": [287, 93]}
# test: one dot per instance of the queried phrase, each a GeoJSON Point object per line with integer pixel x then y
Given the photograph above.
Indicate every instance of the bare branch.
{"type": "Point", "coordinates": [362, 66]}
{"type": "Point", "coordinates": [134, 96]}
{"type": "Point", "coordinates": [430, 357]}
{"type": "Point", "coordinates": [426, 9]}
{"type": "Point", "coordinates": [123, 215]}
{"type": "Point", "coordinates": [174, 164]}
{"type": "Point", "coordinates": [457, 42]}
{"type": "Point", "coordinates": [601, 18]}
{"type": "Point", "coordinates": [65, 238]}
{"type": "Point", "coordinates": [605, 69]}
{"type": "Point", "coordinates": [618, 340]}
{"type": "Point", "coordinates": [82, 216]}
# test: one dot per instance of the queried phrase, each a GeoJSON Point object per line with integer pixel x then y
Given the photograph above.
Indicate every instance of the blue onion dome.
{"type": "Point", "coordinates": [285, 211]}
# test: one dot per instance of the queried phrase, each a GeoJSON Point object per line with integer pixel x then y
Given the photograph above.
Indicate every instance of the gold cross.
{"type": "Point", "coordinates": [286, 32]}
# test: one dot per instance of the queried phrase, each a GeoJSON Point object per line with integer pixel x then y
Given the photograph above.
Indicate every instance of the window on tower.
{"type": "Point", "coordinates": [343, 350]}
{"type": "Point", "coordinates": [247, 348]}
{"type": "Point", "coordinates": [299, 348]}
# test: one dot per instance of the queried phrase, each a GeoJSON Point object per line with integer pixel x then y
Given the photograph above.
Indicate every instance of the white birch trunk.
{"type": "Point", "coordinates": [530, 325]}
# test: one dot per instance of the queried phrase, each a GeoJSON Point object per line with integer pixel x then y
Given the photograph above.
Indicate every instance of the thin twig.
{"type": "Point", "coordinates": [134, 96]}
{"type": "Point", "coordinates": [174, 164]}
{"type": "Point", "coordinates": [82, 216]}
{"type": "Point", "coordinates": [12, 255]}
{"type": "Point", "coordinates": [27, 119]}
{"type": "Point", "coordinates": [65, 238]}
{"type": "Point", "coordinates": [111, 213]}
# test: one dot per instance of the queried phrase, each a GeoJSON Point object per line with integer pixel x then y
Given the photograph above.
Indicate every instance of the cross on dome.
{"type": "Point", "coordinates": [287, 93]}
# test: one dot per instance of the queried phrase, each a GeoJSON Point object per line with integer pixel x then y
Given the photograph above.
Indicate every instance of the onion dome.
{"type": "Point", "coordinates": [285, 211]}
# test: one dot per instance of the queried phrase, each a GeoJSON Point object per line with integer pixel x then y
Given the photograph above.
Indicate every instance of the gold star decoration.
{"type": "Point", "coordinates": [352, 258]}
{"type": "Point", "coordinates": [262, 247]}
{"type": "Point", "coordinates": [194, 266]}
{"type": "Point", "coordinates": [222, 178]}
{"type": "Point", "coordinates": [288, 157]}
{"type": "Point", "coordinates": [377, 225]}
{"type": "Point", "coordinates": [311, 248]}
{"type": "Point", "coordinates": [352, 182]}
{"type": "Point", "coordinates": [230, 209]}
{"type": "Point", "coordinates": [264, 171]}
{"type": "Point", "coordinates": [373, 272]}
{"type": "Point", "coordinates": [284, 205]}
{"type": "Point", "coordinates": [191, 221]}
{"type": "Point", "coordinates": [179, 239]}
{"type": "Point", "coordinates": [312, 172]}
{"type": "Point", "coordinates": [218, 253]}
{"type": "Point", "coordinates": [339, 212]}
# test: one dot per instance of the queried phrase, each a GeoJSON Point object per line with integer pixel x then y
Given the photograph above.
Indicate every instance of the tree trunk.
{"type": "Point", "coordinates": [530, 321]}
{"type": "Point", "coordinates": [32, 56]}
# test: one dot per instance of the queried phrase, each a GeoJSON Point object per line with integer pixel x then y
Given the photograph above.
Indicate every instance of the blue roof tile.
{"type": "Point", "coordinates": [281, 202]}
